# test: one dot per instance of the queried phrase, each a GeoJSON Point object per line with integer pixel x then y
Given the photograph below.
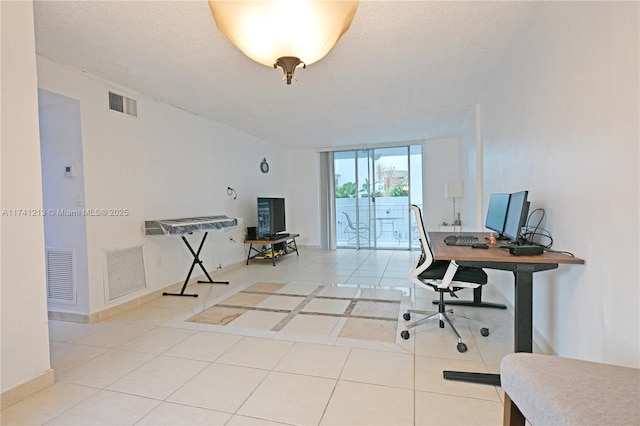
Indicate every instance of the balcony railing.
{"type": "Point", "coordinates": [389, 225]}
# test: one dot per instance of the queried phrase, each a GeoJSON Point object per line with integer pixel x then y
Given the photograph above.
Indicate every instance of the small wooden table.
{"type": "Point", "coordinates": [267, 247]}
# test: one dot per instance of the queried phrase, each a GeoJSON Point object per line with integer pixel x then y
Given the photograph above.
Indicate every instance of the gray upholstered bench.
{"type": "Point", "coordinates": [549, 390]}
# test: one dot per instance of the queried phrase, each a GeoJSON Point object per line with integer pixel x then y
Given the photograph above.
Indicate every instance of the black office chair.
{"type": "Point", "coordinates": [355, 229]}
{"type": "Point", "coordinates": [443, 276]}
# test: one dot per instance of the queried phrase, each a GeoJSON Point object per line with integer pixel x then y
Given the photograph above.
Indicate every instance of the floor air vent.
{"type": "Point", "coordinates": [61, 283]}
{"type": "Point", "coordinates": [123, 104]}
{"type": "Point", "coordinates": [124, 272]}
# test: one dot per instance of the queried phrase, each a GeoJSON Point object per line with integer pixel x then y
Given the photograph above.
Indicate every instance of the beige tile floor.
{"type": "Point", "coordinates": [149, 366]}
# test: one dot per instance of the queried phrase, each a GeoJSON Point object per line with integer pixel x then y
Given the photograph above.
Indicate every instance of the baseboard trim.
{"type": "Point", "coordinates": [131, 304]}
{"type": "Point", "coordinates": [26, 389]}
{"type": "Point", "coordinates": [543, 343]}
{"type": "Point", "coordinates": [68, 316]}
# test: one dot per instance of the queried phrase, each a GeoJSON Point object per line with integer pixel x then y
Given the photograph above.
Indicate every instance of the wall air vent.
{"type": "Point", "coordinates": [123, 272]}
{"type": "Point", "coordinates": [61, 282]}
{"type": "Point", "coordinates": [123, 104]}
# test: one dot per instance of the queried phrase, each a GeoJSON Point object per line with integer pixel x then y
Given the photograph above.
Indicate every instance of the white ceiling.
{"type": "Point", "coordinates": [406, 70]}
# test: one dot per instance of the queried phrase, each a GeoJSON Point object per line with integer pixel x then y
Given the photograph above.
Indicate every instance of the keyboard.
{"type": "Point", "coordinates": [460, 240]}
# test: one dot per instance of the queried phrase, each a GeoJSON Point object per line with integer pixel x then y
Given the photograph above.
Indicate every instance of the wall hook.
{"type": "Point", "coordinates": [231, 192]}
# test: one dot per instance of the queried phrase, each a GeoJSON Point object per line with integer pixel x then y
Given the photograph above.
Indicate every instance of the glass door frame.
{"type": "Point", "coordinates": [374, 229]}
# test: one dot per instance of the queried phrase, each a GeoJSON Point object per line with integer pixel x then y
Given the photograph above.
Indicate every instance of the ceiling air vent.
{"type": "Point", "coordinates": [123, 104]}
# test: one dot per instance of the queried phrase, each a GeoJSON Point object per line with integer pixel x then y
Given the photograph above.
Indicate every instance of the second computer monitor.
{"type": "Point", "coordinates": [497, 213]}
{"type": "Point", "coordinates": [516, 216]}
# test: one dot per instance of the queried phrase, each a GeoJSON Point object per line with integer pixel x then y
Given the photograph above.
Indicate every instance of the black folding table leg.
{"type": "Point", "coordinates": [249, 255]}
{"type": "Point", "coordinates": [196, 260]}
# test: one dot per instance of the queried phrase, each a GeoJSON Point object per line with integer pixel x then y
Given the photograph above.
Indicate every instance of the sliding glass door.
{"type": "Point", "coordinates": [373, 189]}
{"type": "Point", "coordinates": [353, 207]}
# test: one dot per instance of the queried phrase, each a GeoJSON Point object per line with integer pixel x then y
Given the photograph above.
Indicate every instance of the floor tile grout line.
{"type": "Point", "coordinates": [314, 294]}
{"type": "Point", "coordinates": [345, 315]}
{"type": "Point", "coordinates": [363, 299]}
{"type": "Point", "coordinates": [350, 308]}
{"type": "Point", "coordinates": [280, 325]}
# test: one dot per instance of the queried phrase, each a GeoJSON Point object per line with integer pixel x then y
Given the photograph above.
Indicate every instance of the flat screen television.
{"type": "Point", "coordinates": [516, 216]}
{"type": "Point", "coordinates": [497, 213]}
{"type": "Point", "coordinates": [271, 216]}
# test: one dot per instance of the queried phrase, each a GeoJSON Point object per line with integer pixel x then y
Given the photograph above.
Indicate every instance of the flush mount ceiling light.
{"type": "Point", "coordinates": [284, 33]}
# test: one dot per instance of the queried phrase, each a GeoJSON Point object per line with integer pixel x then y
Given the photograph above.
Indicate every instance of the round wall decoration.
{"type": "Point", "coordinates": [264, 166]}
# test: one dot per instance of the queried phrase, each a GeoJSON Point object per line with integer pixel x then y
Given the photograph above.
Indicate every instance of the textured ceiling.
{"type": "Point", "coordinates": [406, 70]}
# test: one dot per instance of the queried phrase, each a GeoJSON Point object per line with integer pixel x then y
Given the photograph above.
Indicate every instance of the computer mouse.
{"type": "Point", "coordinates": [480, 245]}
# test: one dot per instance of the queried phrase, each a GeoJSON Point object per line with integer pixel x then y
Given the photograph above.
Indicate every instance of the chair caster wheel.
{"type": "Point", "coordinates": [462, 347]}
{"type": "Point", "coordinates": [405, 335]}
{"type": "Point", "coordinates": [484, 331]}
{"type": "Point", "coordinates": [406, 316]}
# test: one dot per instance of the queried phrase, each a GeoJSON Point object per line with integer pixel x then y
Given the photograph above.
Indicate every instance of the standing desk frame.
{"type": "Point", "coordinates": [523, 268]}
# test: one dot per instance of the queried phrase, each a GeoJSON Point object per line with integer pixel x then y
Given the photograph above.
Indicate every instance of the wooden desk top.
{"type": "Point", "coordinates": [493, 254]}
{"type": "Point", "coordinates": [274, 241]}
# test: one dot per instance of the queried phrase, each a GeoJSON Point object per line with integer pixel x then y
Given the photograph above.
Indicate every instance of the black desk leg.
{"type": "Point", "coordinates": [476, 302]}
{"type": "Point", "coordinates": [523, 311]}
{"type": "Point", "coordinates": [196, 260]}
{"type": "Point", "coordinates": [523, 327]}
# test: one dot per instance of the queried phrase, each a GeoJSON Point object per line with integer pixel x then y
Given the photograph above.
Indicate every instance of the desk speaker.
{"type": "Point", "coordinates": [252, 233]}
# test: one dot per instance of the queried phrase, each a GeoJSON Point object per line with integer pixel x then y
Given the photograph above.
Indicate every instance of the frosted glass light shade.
{"type": "Point", "coordinates": [453, 189]}
{"type": "Point", "coordinates": [271, 29]}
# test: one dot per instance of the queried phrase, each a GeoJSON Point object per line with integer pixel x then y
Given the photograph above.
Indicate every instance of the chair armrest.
{"type": "Point", "coordinates": [448, 276]}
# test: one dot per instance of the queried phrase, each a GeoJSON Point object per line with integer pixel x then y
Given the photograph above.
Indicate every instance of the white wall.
{"type": "Point", "coordinates": [439, 165]}
{"type": "Point", "coordinates": [303, 201]}
{"type": "Point", "coordinates": [470, 160]}
{"type": "Point", "coordinates": [24, 337]}
{"type": "Point", "coordinates": [166, 163]}
{"type": "Point", "coordinates": [562, 122]}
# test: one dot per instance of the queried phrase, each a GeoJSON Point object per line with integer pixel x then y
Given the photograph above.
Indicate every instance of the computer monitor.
{"type": "Point", "coordinates": [271, 216]}
{"type": "Point", "coordinates": [497, 213]}
{"type": "Point", "coordinates": [516, 216]}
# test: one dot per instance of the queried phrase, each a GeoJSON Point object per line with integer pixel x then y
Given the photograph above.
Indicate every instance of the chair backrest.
{"type": "Point", "coordinates": [426, 258]}
{"type": "Point", "coordinates": [349, 221]}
